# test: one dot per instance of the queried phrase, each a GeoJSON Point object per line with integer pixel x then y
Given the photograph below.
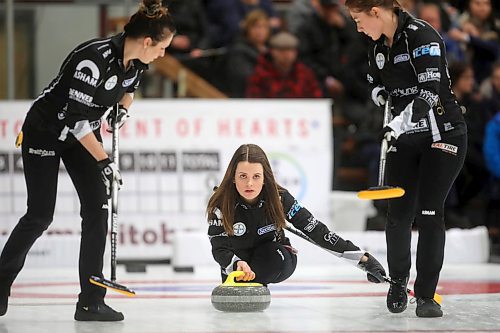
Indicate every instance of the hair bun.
{"type": "Point", "coordinates": [153, 8]}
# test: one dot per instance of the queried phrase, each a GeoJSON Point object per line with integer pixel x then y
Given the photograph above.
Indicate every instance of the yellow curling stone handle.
{"type": "Point", "coordinates": [230, 282]}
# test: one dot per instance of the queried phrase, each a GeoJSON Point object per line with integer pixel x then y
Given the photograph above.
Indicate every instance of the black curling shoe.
{"type": "Point", "coordinates": [397, 297]}
{"type": "Point", "coordinates": [97, 312]}
{"type": "Point", "coordinates": [4, 299]}
{"type": "Point", "coordinates": [428, 308]}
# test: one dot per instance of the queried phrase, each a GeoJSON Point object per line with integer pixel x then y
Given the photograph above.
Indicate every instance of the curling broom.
{"type": "Point", "coordinates": [382, 191]}
{"type": "Point", "coordinates": [438, 298]}
{"type": "Point", "coordinates": [102, 282]}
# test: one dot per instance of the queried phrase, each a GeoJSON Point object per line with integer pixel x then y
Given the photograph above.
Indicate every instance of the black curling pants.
{"type": "Point", "coordinates": [426, 171]}
{"type": "Point", "coordinates": [42, 152]}
{"type": "Point", "coordinates": [271, 263]}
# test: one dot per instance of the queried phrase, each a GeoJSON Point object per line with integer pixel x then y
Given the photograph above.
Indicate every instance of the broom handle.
{"type": "Point", "coordinates": [114, 194]}
{"type": "Point", "coordinates": [383, 145]}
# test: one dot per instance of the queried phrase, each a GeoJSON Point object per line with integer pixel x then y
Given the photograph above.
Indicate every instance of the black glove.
{"type": "Point", "coordinates": [109, 174]}
{"type": "Point", "coordinates": [375, 271]}
{"type": "Point", "coordinates": [121, 117]}
{"type": "Point", "coordinates": [379, 95]}
{"type": "Point", "coordinates": [386, 133]}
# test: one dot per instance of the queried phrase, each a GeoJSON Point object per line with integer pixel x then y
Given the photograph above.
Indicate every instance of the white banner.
{"type": "Point", "coordinates": [172, 153]}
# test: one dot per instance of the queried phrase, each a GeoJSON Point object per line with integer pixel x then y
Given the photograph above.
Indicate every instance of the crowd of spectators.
{"type": "Point", "coordinates": [310, 49]}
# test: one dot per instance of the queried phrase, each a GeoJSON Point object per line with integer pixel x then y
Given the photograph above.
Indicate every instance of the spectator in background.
{"type": "Point", "coordinates": [299, 11]}
{"type": "Point", "coordinates": [265, 5]}
{"type": "Point", "coordinates": [492, 158]}
{"type": "Point", "coordinates": [479, 30]}
{"type": "Point", "coordinates": [243, 54]}
{"type": "Point", "coordinates": [490, 90]}
{"type": "Point", "coordinates": [322, 38]}
{"type": "Point", "coordinates": [433, 14]}
{"type": "Point", "coordinates": [224, 17]}
{"type": "Point", "coordinates": [278, 74]}
{"type": "Point", "coordinates": [473, 177]}
{"type": "Point", "coordinates": [192, 27]}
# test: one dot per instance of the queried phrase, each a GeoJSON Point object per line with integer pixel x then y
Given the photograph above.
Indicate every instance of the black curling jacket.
{"type": "Point", "coordinates": [91, 79]}
{"type": "Point", "coordinates": [415, 70]}
{"type": "Point", "coordinates": [252, 228]}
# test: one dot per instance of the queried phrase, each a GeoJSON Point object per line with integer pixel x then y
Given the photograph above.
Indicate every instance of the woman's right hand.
{"type": "Point", "coordinates": [243, 266]}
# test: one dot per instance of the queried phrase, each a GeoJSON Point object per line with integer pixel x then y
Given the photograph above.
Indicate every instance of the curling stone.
{"type": "Point", "coordinates": [232, 296]}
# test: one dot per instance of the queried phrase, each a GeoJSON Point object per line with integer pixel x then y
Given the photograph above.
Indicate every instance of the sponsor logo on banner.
{"type": "Point", "coordinates": [401, 58]}
{"type": "Point", "coordinates": [447, 148]}
{"type": "Point", "coordinates": [266, 229]}
{"type": "Point", "coordinates": [380, 60]}
{"type": "Point", "coordinates": [431, 49]}
{"type": "Point", "coordinates": [4, 163]}
{"type": "Point", "coordinates": [200, 161]}
{"type": "Point", "coordinates": [239, 228]}
{"type": "Point", "coordinates": [290, 173]}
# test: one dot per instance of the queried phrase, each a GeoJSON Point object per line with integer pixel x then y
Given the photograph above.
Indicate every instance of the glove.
{"type": "Point", "coordinates": [386, 133]}
{"type": "Point", "coordinates": [121, 117]}
{"type": "Point", "coordinates": [375, 271]}
{"type": "Point", "coordinates": [379, 95]}
{"type": "Point", "coordinates": [109, 174]}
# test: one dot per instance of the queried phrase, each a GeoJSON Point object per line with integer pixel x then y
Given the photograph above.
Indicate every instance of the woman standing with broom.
{"type": "Point", "coordinates": [427, 141]}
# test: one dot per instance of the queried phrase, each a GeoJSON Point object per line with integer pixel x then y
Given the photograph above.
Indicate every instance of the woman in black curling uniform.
{"type": "Point", "coordinates": [64, 124]}
{"type": "Point", "coordinates": [246, 217]}
{"type": "Point", "coordinates": [427, 141]}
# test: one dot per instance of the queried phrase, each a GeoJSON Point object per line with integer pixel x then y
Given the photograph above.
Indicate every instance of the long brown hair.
{"type": "Point", "coordinates": [225, 196]}
{"type": "Point", "coordinates": [151, 20]}
{"type": "Point", "coordinates": [366, 5]}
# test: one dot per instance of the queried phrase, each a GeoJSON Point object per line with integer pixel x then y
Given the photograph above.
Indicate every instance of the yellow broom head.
{"type": "Point", "coordinates": [381, 192]}
{"type": "Point", "coordinates": [101, 282]}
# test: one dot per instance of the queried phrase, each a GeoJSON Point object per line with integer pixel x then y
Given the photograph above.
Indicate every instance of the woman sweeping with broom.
{"type": "Point", "coordinates": [427, 141]}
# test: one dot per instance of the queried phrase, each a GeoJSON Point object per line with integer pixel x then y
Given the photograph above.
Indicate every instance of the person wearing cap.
{"type": "Point", "coordinates": [279, 74]}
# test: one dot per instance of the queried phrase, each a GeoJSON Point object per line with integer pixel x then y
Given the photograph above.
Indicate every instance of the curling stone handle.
{"type": "Point", "coordinates": [234, 274]}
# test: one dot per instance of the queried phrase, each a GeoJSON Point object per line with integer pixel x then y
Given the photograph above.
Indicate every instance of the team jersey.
{"type": "Point", "coordinates": [415, 70]}
{"type": "Point", "coordinates": [251, 228]}
{"type": "Point", "coordinates": [91, 79]}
